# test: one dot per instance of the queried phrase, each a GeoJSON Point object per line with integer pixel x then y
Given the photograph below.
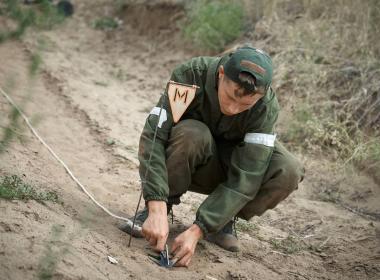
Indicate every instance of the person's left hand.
{"type": "Point", "coordinates": [184, 245]}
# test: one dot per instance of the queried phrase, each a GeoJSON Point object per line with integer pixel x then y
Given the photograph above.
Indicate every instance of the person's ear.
{"type": "Point", "coordinates": [221, 71]}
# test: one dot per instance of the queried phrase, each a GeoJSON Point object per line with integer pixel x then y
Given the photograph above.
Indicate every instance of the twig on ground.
{"type": "Point", "coordinates": [283, 254]}
{"type": "Point", "coordinates": [298, 274]}
{"type": "Point", "coordinates": [371, 216]}
{"type": "Point", "coordinates": [324, 242]}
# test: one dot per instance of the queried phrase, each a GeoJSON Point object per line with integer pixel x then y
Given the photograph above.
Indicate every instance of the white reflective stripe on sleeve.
{"type": "Point", "coordinates": [163, 117]}
{"type": "Point", "coordinates": [260, 138]}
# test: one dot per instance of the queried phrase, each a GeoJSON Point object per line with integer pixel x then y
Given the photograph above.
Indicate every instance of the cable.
{"type": "Point", "coordinates": [148, 164]}
{"type": "Point", "coordinates": [63, 163]}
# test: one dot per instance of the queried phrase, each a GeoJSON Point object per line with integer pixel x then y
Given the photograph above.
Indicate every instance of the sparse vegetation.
{"type": "Point", "coordinates": [330, 194]}
{"type": "Point", "coordinates": [288, 245]}
{"type": "Point", "coordinates": [13, 187]}
{"type": "Point", "coordinates": [9, 131]}
{"type": "Point", "coordinates": [214, 24]}
{"type": "Point", "coordinates": [245, 226]}
{"type": "Point", "coordinates": [119, 75]}
{"type": "Point", "coordinates": [106, 23]}
{"type": "Point", "coordinates": [101, 83]}
{"type": "Point", "coordinates": [20, 17]}
{"type": "Point", "coordinates": [327, 58]}
{"type": "Point", "coordinates": [23, 18]}
{"type": "Point", "coordinates": [50, 259]}
{"type": "Point", "coordinates": [48, 15]}
{"type": "Point", "coordinates": [44, 15]}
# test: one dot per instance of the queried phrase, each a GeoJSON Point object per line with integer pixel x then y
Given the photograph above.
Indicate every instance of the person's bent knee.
{"type": "Point", "coordinates": [290, 176]}
{"type": "Point", "coordinates": [281, 185]}
{"type": "Point", "coordinates": [191, 133]}
{"type": "Point", "coordinates": [293, 172]}
{"type": "Point", "coordinates": [285, 169]}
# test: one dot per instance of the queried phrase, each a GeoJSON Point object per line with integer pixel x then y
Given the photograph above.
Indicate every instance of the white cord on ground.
{"type": "Point", "coordinates": [63, 163]}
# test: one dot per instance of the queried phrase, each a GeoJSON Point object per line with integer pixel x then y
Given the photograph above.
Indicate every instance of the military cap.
{"type": "Point", "coordinates": [253, 61]}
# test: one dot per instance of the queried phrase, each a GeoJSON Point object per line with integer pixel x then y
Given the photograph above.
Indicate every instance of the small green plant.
{"type": "Point", "coordinates": [48, 15]}
{"type": "Point", "coordinates": [8, 132]}
{"type": "Point", "coordinates": [214, 24]}
{"type": "Point", "coordinates": [106, 23]}
{"type": "Point", "coordinates": [44, 15]}
{"type": "Point", "coordinates": [367, 151]}
{"type": "Point", "coordinates": [288, 245]}
{"type": "Point", "coordinates": [245, 226]}
{"type": "Point", "coordinates": [52, 255]}
{"type": "Point", "coordinates": [23, 18]}
{"type": "Point", "coordinates": [35, 63]}
{"type": "Point", "coordinates": [12, 187]}
{"type": "Point", "coordinates": [330, 195]}
{"type": "Point", "coordinates": [119, 74]}
{"type": "Point", "coordinates": [110, 142]}
{"type": "Point", "coordinates": [36, 58]}
{"type": "Point", "coordinates": [13, 127]}
{"type": "Point", "coordinates": [100, 83]}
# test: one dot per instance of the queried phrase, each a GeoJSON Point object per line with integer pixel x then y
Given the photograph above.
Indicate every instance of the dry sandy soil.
{"type": "Point", "coordinates": [89, 103]}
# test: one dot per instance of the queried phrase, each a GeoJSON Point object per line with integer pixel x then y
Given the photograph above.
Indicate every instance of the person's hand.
{"type": "Point", "coordinates": [156, 227]}
{"type": "Point", "coordinates": [184, 245]}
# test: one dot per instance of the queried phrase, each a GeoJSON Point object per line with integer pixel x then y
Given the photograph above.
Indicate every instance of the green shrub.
{"type": "Point", "coordinates": [246, 226]}
{"type": "Point", "coordinates": [44, 15]}
{"type": "Point", "coordinates": [12, 187]}
{"type": "Point", "coordinates": [48, 15]}
{"type": "Point", "coordinates": [214, 24]}
{"type": "Point", "coordinates": [288, 245]}
{"type": "Point", "coordinates": [321, 131]}
{"type": "Point", "coordinates": [106, 23]}
{"type": "Point", "coordinates": [8, 132]}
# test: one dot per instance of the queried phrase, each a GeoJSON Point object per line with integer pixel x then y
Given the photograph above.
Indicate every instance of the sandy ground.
{"type": "Point", "coordinates": [89, 102]}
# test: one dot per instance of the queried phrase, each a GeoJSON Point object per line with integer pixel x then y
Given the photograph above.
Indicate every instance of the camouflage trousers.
{"type": "Point", "coordinates": [197, 163]}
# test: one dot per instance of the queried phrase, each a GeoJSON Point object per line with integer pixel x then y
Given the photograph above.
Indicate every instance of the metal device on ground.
{"type": "Point", "coordinates": [163, 259]}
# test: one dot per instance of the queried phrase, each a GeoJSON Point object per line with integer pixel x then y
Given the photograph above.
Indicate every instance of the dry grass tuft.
{"type": "Point", "coordinates": [326, 57]}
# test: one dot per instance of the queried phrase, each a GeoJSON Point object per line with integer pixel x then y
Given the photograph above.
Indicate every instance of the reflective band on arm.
{"type": "Point", "coordinates": [163, 117]}
{"type": "Point", "coordinates": [260, 138]}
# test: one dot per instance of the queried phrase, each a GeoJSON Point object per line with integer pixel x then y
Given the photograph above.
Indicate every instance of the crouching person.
{"type": "Point", "coordinates": [223, 146]}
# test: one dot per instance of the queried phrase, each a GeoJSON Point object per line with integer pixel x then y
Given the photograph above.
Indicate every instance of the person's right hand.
{"type": "Point", "coordinates": [156, 227]}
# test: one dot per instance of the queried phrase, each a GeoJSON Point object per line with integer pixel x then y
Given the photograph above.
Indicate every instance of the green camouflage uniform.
{"type": "Point", "coordinates": [234, 159]}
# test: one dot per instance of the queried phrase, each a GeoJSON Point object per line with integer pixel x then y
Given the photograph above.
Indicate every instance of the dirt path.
{"type": "Point", "coordinates": [96, 89]}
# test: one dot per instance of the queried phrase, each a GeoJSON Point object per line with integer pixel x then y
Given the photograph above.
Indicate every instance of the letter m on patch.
{"type": "Point", "coordinates": [180, 97]}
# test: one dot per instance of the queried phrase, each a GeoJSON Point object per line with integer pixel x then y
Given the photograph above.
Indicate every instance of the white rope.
{"type": "Point", "coordinates": [63, 163]}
